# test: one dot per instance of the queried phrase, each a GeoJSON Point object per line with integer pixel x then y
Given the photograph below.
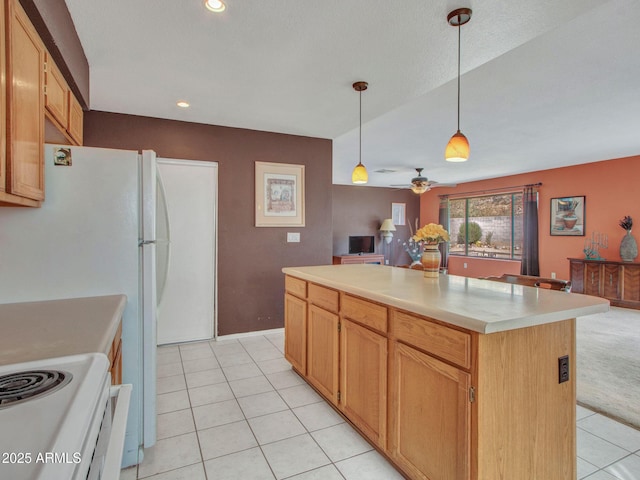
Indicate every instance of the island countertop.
{"type": "Point", "coordinates": [475, 304]}
{"type": "Point", "coordinates": [56, 328]}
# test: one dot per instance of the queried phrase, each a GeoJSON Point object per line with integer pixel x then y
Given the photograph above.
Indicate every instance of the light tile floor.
{"type": "Point", "coordinates": [234, 410]}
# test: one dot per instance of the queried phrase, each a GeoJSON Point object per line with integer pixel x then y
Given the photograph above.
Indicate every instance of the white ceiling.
{"type": "Point", "coordinates": [545, 83]}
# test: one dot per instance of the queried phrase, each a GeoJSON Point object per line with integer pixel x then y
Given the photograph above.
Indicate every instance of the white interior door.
{"type": "Point", "coordinates": [186, 250]}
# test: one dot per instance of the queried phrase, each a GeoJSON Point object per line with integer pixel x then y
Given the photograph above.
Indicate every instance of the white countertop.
{"type": "Point", "coordinates": [55, 328]}
{"type": "Point", "coordinates": [479, 305]}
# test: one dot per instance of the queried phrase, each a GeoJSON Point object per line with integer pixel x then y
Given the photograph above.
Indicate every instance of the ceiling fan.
{"type": "Point", "coordinates": [420, 184]}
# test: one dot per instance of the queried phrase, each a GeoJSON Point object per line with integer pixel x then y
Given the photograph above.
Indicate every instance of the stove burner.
{"type": "Point", "coordinates": [22, 386]}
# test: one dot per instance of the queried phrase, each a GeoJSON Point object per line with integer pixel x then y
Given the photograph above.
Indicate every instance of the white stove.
{"type": "Point", "coordinates": [57, 419]}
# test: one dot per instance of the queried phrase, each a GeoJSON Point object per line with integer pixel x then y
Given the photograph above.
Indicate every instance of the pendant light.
{"type": "Point", "coordinates": [458, 147]}
{"type": "Point", "coordinates": [360, 174]}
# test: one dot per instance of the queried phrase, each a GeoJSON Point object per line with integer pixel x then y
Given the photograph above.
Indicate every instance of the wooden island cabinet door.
{"type": "Point", "coordinates": [295, 328]}
{"type": "Point", "coordinates": [363, 380]}
{"type": "Point", "coordinates": [430, 416]}
{"type": "Point", "coordinates": [322, 352]}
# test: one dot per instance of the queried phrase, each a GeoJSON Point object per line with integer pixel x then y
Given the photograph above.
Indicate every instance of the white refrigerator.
{"type": "Point", "coordinates": [94, 235]}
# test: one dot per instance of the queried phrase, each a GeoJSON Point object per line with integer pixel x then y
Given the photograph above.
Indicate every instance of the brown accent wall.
{"type": "Point", "coordinates": [250, 259]}
{"type": "Point", "coordinates": [360, 210]}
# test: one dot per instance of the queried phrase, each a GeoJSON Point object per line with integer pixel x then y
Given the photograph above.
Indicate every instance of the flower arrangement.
{"type": "Point", "coordinates": [626, 223]}
{"type": "Point", "coordinates": [431, 234]}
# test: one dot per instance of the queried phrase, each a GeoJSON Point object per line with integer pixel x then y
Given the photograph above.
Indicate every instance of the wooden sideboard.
{"type": "Point", "coordinates": [365, 258]}
{"type": "Point", "coordinates": [617, 281]}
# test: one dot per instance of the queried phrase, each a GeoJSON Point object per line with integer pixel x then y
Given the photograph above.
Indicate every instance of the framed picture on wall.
{"type": "Point", "coordinates": [398, 213]}
{"type": "Point", "coordinates": [568, 216]}
{"type": "Point", "coordinates": [279, 195]}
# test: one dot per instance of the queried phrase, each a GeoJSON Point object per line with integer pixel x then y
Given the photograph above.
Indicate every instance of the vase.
{"type": "Point", "coordinates": [431, 261]}
{"type": "Point", "coordinates": [628, 248]}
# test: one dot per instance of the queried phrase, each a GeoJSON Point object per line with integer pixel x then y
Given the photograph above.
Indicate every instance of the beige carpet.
{"type": "Point", "coordinates": [608, 364]}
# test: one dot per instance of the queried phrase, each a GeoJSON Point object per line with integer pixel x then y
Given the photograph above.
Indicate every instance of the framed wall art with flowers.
{"type": "Point", "coordinates": [279, 195]}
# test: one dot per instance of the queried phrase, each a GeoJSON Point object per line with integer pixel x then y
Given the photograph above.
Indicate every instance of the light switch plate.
{"type": "Point", "coordinates": [293, 237]}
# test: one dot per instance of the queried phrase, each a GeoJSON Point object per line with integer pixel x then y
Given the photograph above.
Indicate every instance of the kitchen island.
{"type": "Point", "coordinates": [451, 378]}
{"type": "Point", "coordinates": [57, 328]}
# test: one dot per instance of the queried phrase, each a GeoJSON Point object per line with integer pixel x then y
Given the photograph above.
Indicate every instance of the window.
{"type": "Point", "coordinates": [488, 226]}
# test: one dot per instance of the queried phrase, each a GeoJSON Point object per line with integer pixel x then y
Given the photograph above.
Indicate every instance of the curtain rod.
{"type": "Point", "coordinates": [502, 189]}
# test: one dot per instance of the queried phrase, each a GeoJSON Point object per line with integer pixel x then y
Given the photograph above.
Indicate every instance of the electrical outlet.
{"type": "Point", "coordinates": [464, 265]}
{"type": "Point", "coordinates": [563, 369]}
{"type": "Point", "coordinates": [293, 237]}
{"type": "Point", "coordinates": [553, 274]}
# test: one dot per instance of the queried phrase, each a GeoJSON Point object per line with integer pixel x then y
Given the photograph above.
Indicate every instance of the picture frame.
{"type": "Point", "coordinates": [398, 213]}
{"type": "Point", "coordinates": [568, 215]}
{"type": "Point", "coordinates": [279, 195]}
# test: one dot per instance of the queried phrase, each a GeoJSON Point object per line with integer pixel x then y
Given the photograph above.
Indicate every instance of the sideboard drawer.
{"type": "Point", "coordinates": [447, 343]}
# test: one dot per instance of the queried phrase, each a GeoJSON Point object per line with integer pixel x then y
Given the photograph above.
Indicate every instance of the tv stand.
{"type": "Point", "coordinates": [358, 258]}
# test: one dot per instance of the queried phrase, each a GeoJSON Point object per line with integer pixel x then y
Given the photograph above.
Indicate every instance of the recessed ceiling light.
{"type": "Point", "coordinates": [183, 104]}
{"type": "Point", "coordinates": [215, 5]}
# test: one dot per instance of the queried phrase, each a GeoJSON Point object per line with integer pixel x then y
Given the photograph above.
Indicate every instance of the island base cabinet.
{"type": "Point", "coordinates": [526, 419]}
{"type": "Point", "coordinates": [295, 332]}
{"type": "Point", "coordinates": [363, 380]}
{"type": "Point", "coordinates": [430, 416]}
{"type": "Point", "coordinates": [322, 352]}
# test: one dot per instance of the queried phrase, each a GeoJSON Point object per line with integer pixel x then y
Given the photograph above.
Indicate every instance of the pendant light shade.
{"type": "Point", "coordinates": [360, 175]}
{"type": "Point", "coordinates": [458, 147]}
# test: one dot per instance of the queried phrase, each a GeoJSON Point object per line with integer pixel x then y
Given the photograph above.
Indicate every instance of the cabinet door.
{"type": "Point", "coordinates": [25, 99]}
{"type": "Point", "coordinates": [577, 276]}
{"type": "Point", "coordinates": [430, 416]}
{"type": "Point", "coordinates": [592, 279]}
{"type": "Point", "coordinates": [322, 352]}
{"type": "Point", "coordinates": [3, 101]}
{"type": "Point", "coordinates": [631, 283]}
{"type": "Point", "coordinates": [56, 99]}
{"type": "Point", "coordinates": [295, 329]}
{"type": "Point", "coordinates": [363, 380]}
{"type": "Point", "coordinates": [610, 281]}
{"type": "Point", "coordinates": [76, 117]}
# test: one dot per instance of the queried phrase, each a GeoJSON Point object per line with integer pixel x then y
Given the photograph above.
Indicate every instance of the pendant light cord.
{"type": "Point", "coordinates": [459, 73]}
{"type": "Point", "coordinates": [360, 142]}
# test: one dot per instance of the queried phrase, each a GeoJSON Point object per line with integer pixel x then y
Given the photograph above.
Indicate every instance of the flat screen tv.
{"type": "Point", "coordinates": [361, 244]}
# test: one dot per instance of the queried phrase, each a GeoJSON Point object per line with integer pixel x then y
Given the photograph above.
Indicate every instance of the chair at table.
{"type": "Point", "coordinates": [532, 281]}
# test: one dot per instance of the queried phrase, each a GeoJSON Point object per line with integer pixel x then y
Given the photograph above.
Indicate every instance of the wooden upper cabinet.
{"type": "Point", "coordinates": [56, 92]}
{"type": "Point", "coordinates": [62, 108]}
{"type": "Point", "coordinates": [3, 102]}
{"type": "Point", "coordinates": [25, 104]}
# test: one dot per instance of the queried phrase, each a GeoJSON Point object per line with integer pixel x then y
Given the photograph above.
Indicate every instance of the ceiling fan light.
{"type": "Point", "coordinates": [216, 6]}
{"type": "Point", "coordinates": [419, 189]}
{"type": "Point", "coordinates": [359, 175]}
{"type": "Point", "coordinates": [457, 149]}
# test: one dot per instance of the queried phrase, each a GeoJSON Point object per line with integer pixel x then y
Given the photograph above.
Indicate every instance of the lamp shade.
{"type": "Point", "coordinates": [457, 149]}
{"type": "Point", "coordinates": [359, 174]}
{"type": "Point", "coordinates": [388, 226]}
